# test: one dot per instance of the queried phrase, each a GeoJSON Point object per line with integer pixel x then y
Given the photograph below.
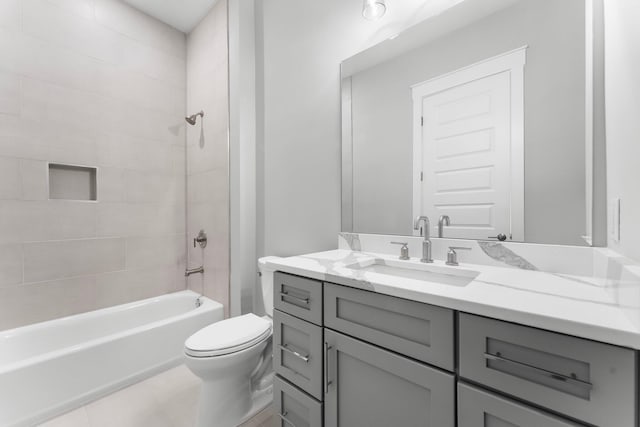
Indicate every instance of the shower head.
{"type": "Point", "coordinates": [192, 119]}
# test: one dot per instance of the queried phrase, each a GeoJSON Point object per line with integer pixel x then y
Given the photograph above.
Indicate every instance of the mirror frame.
{"type": "Point", "coordinates": [457, 17]}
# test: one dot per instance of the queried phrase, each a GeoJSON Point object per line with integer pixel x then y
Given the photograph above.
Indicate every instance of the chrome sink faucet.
{"type": "Point", "coordinates": [426, 243]}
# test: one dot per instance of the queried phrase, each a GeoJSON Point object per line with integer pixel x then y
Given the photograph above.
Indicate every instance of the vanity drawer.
{"type": "Point", "coordinates": [421, 331]}
{"type": "Point", "coordinates": [298, 296]}
{"type": "Point", "coordinates": [297, 352]}
{"type": "Point", "coordinates": [293, 407]}
{"type": "Point", "coordinates": [586, 380]}
{"type": "Point", "coordinates": [479, 408]}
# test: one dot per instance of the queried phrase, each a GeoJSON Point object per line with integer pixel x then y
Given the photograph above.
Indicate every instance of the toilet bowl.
{"type": "Point", "coordinates": [227, 356]}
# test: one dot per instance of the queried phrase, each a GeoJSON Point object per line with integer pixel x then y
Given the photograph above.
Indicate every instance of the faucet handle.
{"type": "Point", "coordinates": [404, 250]}
{"type": "Point", "coordinates": [452, 255]}
{"type": "Point", "coordinates": [502, 237]}
{"type": "Point", "coordinates": [201, 239]}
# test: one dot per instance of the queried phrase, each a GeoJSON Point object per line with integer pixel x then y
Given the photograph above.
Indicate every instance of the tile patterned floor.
{"type": "Point", "coordinates": [263, 419]}
{"type": "Point", "coordinates": [166, 400]}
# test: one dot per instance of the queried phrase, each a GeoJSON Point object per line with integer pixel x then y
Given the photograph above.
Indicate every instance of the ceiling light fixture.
{"type": "Point", "coordinates": [373, 9]}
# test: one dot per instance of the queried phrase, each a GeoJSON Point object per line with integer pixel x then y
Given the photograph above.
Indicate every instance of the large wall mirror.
{"type": "Point", "coordinates": [482, 115]}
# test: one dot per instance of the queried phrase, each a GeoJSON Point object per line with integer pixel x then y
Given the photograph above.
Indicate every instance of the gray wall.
{"type": "Point", "coordinates": [623, 127]}
{"type": "Point", "coordinates": [300, 45]}
{"type": "Point", "coordinates": [242, 155]}
{"type": "Point", "coordinates": [554, 118]}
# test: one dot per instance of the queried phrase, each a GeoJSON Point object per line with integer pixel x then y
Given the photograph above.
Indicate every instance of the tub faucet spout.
{"type": "Point", "coordinates": [189, 271]}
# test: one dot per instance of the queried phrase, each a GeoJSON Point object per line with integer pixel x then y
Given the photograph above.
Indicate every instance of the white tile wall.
{"type": "Point", "coordinates": [10, 265]}
{"type": "Point", "coordinates": [152, 187]}
{"type": "Point", "coordinates": [210, 186]}
{"type": "Point", "coordinates": [120, 17]}
{"type": "Point", "coordinates": [82, 8]}
{"type": "Point", "coordinates": [9, 93]}
{"type": "Point", "coordinates": [93, 83]}
{"type": "Point", "coordinates": [53, 23]}
{"type": "Point", "coordinates": [9, 176]}
{"type": "Point", "coordinates": [35, 302]}
{"type": "Point", "coordinates": [32, 221]}
{"type": "Point", "coordinates": [33, 175]}
{"type": "Point", "coordinates": [111, 184]}
{"type": "Point", "coordinates": [10, 14]}
{"type": "Point", "coordinates": [144, 252]}
{"type": "Point", "coordinates": [135, 284]}
{"type": "Point", "coordinates": [69, 258]}
{"type": "Point", "coordinates": [208, 153]}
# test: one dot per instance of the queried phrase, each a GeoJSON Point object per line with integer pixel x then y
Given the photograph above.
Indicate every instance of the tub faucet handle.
{"type": "Point", "coordinates": [200, 239]}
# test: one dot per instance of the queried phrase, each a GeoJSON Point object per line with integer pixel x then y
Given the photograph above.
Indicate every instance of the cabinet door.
{"type": "Point", "coordinates": [293, 407]}
{"type": "Point", "coordinates": [479, 408]}
{"type": "Point", "coordinates": [297, 352]}
{"type": "Point", "coordinates": [368, 386]}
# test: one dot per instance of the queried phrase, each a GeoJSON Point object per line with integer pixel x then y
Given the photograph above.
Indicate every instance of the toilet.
{"type": "Point", "coordinates": [233, 359]}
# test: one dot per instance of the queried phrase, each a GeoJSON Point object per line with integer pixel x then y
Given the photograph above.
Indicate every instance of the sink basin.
{"type": "Point", "coordinates": [453, 276]}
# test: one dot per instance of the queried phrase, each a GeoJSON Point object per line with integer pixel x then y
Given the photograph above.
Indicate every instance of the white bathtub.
{"type": "Point", "coordinates": [51, 367]}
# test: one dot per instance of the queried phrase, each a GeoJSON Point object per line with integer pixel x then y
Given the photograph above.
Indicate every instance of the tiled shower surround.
{"type": "Point", "coordinates": [92, 83]}
{"type": "Point", "coordinates": [208, 153]}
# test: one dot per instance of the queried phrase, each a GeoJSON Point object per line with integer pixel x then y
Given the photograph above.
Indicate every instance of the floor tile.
{"type": "Point", "coordinates": [169, 399]}
{"type": "Point", "coordinates": [77, 418]}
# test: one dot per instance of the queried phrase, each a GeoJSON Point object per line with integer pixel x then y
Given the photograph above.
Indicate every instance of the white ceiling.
{"type": "Point", "coordinates": [183, 15]}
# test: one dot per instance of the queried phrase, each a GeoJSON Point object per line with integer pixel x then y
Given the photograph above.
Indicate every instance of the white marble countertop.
{"type": "Point", "coordinates": [573, 305]}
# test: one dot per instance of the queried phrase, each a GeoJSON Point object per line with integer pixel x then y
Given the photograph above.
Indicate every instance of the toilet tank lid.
{"type": "Point", "coordinates": [229, 333]}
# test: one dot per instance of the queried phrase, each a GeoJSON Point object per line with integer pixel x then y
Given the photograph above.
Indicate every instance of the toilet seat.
{"type": "Point", "coordinates": [228, 336]}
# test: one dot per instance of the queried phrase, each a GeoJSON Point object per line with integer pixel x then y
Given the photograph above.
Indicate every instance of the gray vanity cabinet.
{"type": "Point", "coordinates": [298, 296]}
{"type": "Point", "coordinates": [479, 408]}
{"type": "Point", "coordinates": [421, 331]}
{"type": "Point", "coordinates": [586, 380]}
{"type": "Point", "coordinates": [347, 357]}
{"type": "Point", "coordinates": [297, 352]}
{"type": "Point", "coordinates": [294, 408]}
{"type": "Point", "coordinates": [369, 386]}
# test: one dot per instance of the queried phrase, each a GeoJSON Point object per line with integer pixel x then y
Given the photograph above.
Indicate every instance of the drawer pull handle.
{"type": "Point", "coordinates": [303, 357]}
{"type": "Point", "coordinates": [327, 381]}
{"type": "Point", "coordinates": [283, 417]}
{"type": "Point", "coordinates": [539, 371]}
{"type": "Point", "coordinates": [286, 294]}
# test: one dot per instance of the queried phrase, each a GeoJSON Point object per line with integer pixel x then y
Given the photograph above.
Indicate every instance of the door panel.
{"type": "Point", "coordinates": [466, 158]}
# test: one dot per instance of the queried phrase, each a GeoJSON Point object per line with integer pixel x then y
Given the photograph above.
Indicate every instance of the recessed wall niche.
{"type": "Point", "coordinates": [68, 182]}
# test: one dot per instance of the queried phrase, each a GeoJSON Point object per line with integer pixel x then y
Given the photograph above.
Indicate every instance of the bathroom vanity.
{"type": "Point", "coordinates": [358, 341]}
{"type": "Point", "coordinates": [448, 109]}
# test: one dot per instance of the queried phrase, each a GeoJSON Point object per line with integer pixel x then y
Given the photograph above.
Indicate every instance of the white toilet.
{"type": "Point", "coordinates": [227, 356]}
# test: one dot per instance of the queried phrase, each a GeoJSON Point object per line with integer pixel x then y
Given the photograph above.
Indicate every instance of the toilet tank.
{"type": "Point", "coordinates": [266, 283]}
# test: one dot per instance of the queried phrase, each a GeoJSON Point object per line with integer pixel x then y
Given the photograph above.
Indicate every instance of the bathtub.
{"type": "Point", "coordinates": [51, 367]}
